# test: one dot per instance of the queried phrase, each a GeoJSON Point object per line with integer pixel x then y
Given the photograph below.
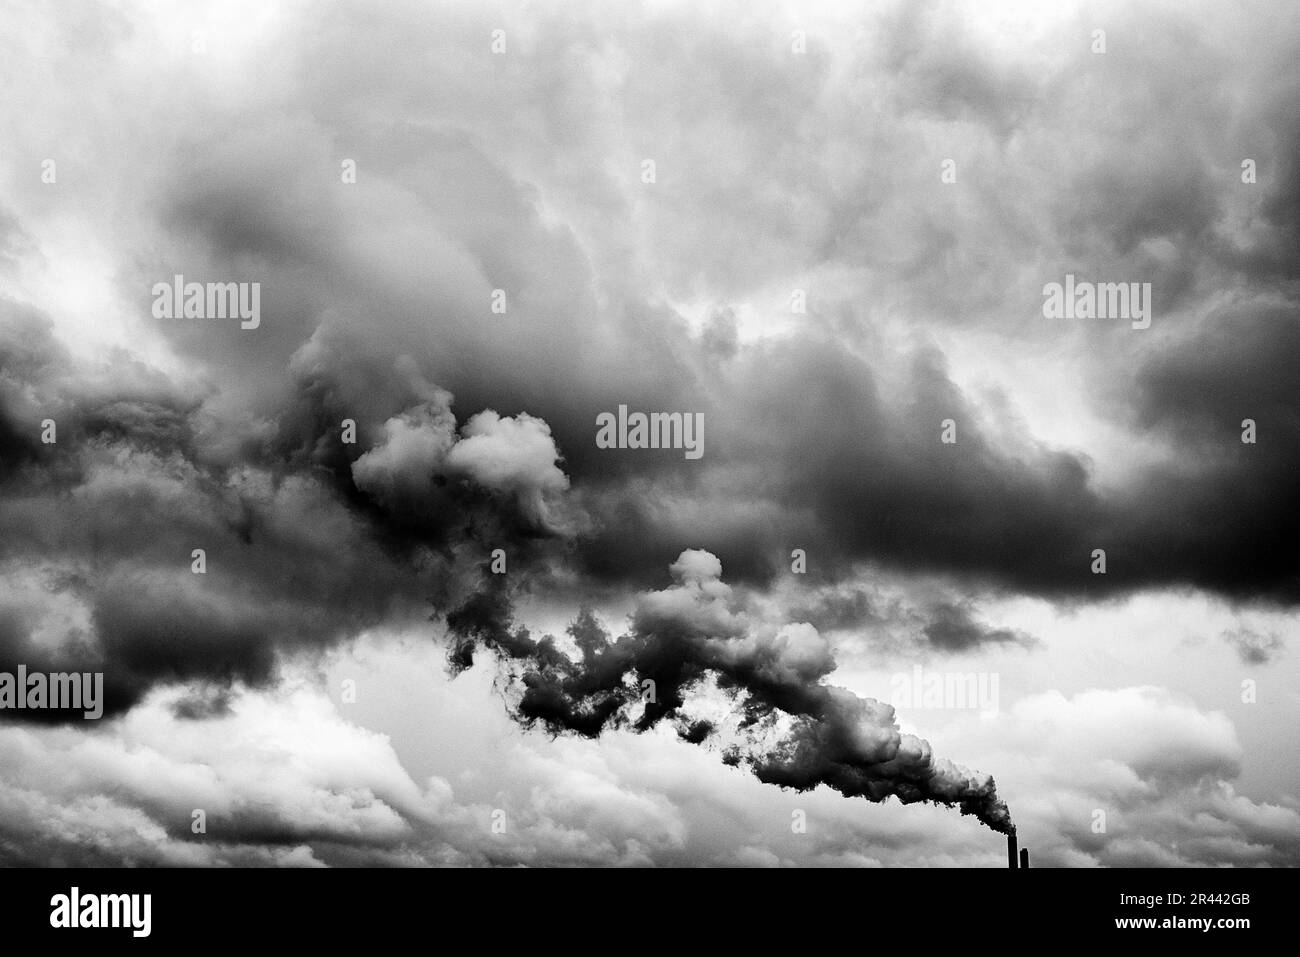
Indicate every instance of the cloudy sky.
{"type": "Point", "coordinates": [827, 233]}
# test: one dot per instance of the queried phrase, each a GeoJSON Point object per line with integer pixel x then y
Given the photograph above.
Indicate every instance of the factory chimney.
{"type": "Point", "coordinates": [1024, 857]}
{"type": "Point", "coordinates": [1011, 851]}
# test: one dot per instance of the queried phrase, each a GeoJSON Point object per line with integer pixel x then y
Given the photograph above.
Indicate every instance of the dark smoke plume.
{"type": "Point", "coordinates": [308, 545]}
{"type": "Point", "coordinates": [798, 731]}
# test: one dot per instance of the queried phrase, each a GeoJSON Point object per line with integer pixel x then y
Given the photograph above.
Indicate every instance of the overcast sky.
{"type": "Point", "coordinates": [826, 232]}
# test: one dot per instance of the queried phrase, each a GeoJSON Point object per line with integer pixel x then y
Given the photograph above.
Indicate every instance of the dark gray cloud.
{"type": "Point", "coordinates": [1254, 647]}
{"type": "Point", "coordinates": [831, 443]}
{"type": "Point", "coordinates": [838, 609]}
{"type": "Point", "coordinates": [954, 628]}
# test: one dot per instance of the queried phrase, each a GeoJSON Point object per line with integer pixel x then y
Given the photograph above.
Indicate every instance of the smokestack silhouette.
{"type": "Point", "coordinates": [1014, 860]}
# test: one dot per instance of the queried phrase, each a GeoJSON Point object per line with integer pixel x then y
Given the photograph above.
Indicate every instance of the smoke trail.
{"type": "Point", "coordinates": [685, 633]}
{"type": "Point", "coordinates": [314, 545]}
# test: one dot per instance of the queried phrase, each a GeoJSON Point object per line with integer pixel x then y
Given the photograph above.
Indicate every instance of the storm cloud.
{"type": "Point", "coordinates": [838, 261]}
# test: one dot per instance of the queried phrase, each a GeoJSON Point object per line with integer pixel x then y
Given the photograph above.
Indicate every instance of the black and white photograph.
{"type": "Point", "coordinates": [629, 436]}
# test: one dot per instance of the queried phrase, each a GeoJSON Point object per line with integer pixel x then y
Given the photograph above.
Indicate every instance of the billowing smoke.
{"type": "Point", "coordinates": [305, 548]}
{"type": "Point", "coordinates": [796, 731]}
{"type": "Point", "coordinates": [306, 540]}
